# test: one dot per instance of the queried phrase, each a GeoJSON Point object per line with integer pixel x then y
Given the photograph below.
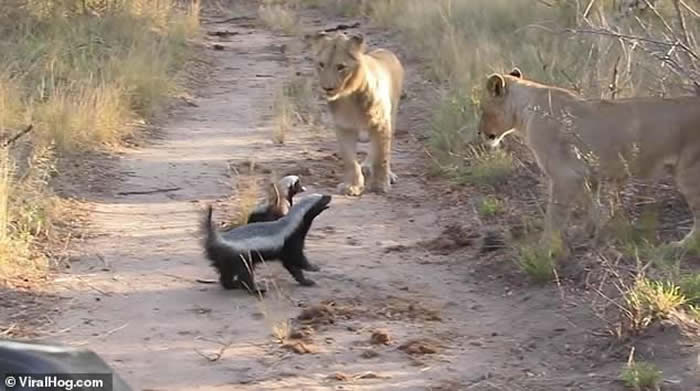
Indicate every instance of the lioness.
{"type": "Point", "coordinates": [363, 91]}
{"type": "Point", "coordinates": [576, 139]}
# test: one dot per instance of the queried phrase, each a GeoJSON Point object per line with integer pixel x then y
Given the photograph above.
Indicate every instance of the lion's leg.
{"type": "Point", "coordinates": [393, 178]}
{"type": "Point", "coordinates": [689, 183]}
{"type": "Point", "coordinates": [563, 194]}
{"type": "Point", "coordinates": [380, 139]}
{"type": "Point", "coordinates": [353, 181]}
{"type": "Point", "coordinates": [596, 215]}
{"type": "Point", "coordinates": [367, 163]}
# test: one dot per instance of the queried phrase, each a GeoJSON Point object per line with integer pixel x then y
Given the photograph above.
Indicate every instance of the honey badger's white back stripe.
{"type": "Point", "coordinates": [284, 228]}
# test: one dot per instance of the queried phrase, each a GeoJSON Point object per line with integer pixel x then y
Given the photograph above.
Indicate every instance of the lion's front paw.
{"type": "Point", "coordinates": [350, 190]}
{"type": "Point", "coordinates": [367, 172]}
{"type": "Point", "coordinates": [381, 187]}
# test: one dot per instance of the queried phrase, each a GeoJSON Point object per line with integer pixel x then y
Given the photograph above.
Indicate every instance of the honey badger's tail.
{"type": "Point", "coordinates": [215, 249]}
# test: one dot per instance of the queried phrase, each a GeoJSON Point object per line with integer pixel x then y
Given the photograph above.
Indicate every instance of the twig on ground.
{"type": "Point", "coordinates": [216, 356]}
{"type": "Point", "coordinates": [234, 19]}
{"type": "Point", "coordinates": [342, 27]}
{"type": "Point", "coordinates": [107, 334]}
{"type": "Point", "coordinates": [8, 330]}
{"type": "Point", "coordinates": [154, 191]}
{"type": "Point", "coordinates": [14, 138]}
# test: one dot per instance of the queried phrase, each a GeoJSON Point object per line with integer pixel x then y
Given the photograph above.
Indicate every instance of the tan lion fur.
{"type": "Point", "coordinates": [363, 90]}
{"type": "Point", "coordinates": [576, 139]}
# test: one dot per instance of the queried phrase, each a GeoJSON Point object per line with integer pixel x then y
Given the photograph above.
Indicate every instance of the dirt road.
{"type": "Point", "coordinates": [135, 301]}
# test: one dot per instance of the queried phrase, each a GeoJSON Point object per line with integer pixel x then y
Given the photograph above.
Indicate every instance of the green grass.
{"type": "Point", "coordinates": [538, 262]}
{"type": "Point", "coordinates": [647, 301]}
{"type": "Point", "coordinates": [280, 16]}
{"type": "Point", "coordinates": [641, 376]}
{"type": "Point", "coordinates": [690, 288]}
{"type": "Point", "coordinates": [491, 206]}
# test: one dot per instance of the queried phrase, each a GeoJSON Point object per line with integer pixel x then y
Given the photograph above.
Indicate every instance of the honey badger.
{"type": "Point", "coordinates": [235, 253]}
{"type": "Point", "coordinates": [279, 200]}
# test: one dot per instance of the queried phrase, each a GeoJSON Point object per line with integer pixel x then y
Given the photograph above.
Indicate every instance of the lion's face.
{"type": "Point", "coordinates": [336, 58]}
{"type": "Point", "coordinates": [495, 121]}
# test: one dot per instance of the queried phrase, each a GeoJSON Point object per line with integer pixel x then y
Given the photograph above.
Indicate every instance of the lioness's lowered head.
{"type": "Point", "coordinates": [337, 61]}
{"type": "Point", "coordinates": [496, 120]}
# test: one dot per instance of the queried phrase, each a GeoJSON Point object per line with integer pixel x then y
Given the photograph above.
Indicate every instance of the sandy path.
{"type": "Point", "coordinates": [134, 299]}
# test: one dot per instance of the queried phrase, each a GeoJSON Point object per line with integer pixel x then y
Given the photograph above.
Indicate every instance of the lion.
{"type": "Point", "coordinates": [579, 142]}
{"type": "Point", "coordinates": [363, 89]}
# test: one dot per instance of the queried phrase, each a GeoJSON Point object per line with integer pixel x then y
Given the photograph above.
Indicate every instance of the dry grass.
{"type": "Point", "coordinates": [246, 196]}
{"type": "Point", "coordinates": [293, 105]}
{"type": "Point", "coordinates": [84, 73]}
{"type": "Point", "coordinates": [279, 16]}
{"type": "Point", "coordinates": [283, 109]}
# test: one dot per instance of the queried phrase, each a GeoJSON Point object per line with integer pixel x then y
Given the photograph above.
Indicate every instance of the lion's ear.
{"type": "Point", "coordinates": [516, 72]}
{"type": "Point", "coordinates": [496, 85]}
{"type": "Point", "coordinates": [314, 38]}
{"type": "Point", "coordinates": [357, 43]}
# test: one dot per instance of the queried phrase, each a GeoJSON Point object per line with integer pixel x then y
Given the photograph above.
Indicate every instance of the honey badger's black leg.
{"type": "Point", "coordinates": [298, 274]}
{"type": "Point", "coordinates": [308, 266]}
{"type": "Point", "coordinates": [295, 261]}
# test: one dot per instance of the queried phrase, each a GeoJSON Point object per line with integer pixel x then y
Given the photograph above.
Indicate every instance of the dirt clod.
{"type": "Point", "coordinates": [380, 337]}
{"type": "Point", "coordinates": [318, 314]}
{"type": "Point", "coordinates": [300, 347]}
{"type": "Point", "coordinates": [452, 238]}
{"type": "Point", "coordinates": [421, 346]}
{"type": "Point", "coordinates": [369, 353]}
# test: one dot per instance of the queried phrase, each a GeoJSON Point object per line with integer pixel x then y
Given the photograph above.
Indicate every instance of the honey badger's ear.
{"type": "Point", "coordinates": [496, 85]}
{"type": "Point", "coordinates": [357, 43]}
{"type": "Point", "coordinates": [516, 72]}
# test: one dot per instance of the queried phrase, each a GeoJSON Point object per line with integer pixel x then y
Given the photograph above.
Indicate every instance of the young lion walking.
{"type": "Point", "coordinates": [363, 90]}
{"type": "Point", "coordinates": [576, 139]}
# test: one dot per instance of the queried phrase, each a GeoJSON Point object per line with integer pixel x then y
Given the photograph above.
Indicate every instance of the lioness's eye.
{"type": "Point", "coordinates": [340, 67]}
{"type": "Point", "coordinates": [320, 65]}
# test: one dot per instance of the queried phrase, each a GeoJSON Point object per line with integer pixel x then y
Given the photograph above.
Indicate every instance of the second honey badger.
{"type": "Point", "coordinates": [279, 200]}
